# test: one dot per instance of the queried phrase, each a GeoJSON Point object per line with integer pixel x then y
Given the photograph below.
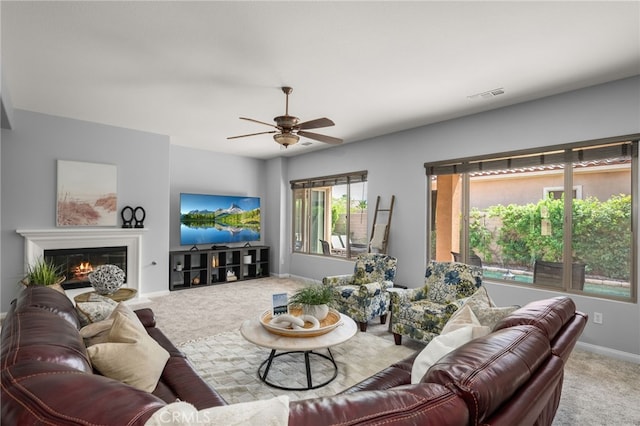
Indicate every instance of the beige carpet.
{"type": "Point", "coordinates": [229, 363]}
{"type": "Point", "coordinates": [597, 390]}
{"type": "Point", "coordinates": [200, 312]}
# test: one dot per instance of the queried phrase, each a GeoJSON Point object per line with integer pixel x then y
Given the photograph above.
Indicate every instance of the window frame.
{"type": "Point", "coordinates": [553, 189]}
{"type": "Point", "coordinates": [323, 183]}
{"type": "Point", "coordinates": [464, 167]}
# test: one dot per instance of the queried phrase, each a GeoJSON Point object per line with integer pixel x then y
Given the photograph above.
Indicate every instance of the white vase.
{"type": "Point", "coordinates": [318, 311]}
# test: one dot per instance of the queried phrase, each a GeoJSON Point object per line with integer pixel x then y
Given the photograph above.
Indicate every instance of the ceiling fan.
{"type": "Point", "coordinates": [289, 128]}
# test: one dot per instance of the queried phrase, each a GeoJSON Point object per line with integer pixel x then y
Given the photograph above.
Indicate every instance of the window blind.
{"type": "Point", "coordinates": [333, 180]}
{"type": "Point", "coordinates": [620, 150]}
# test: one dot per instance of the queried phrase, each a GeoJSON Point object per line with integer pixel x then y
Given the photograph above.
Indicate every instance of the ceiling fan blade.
{"type": "Point", "coordinates": [251, 134]}
{"type": "Point", "coordinates": [259, 122]}
{"type": "Point", "coordinates": [316, 124]}
{"type": "Point", "coordinates": [321, 138]}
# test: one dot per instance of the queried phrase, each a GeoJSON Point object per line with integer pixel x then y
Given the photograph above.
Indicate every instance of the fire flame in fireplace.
{"type": "Point", "coordinates": [82, 270]}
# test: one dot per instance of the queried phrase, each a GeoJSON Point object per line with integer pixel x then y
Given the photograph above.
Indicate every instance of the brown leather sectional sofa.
{"type": "Point", "coordinates": [512, 376]}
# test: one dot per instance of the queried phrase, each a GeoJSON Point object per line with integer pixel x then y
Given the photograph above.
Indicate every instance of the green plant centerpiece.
{"type": "Point", "coordinates": [314, 300]}
{"type": "Point", "coordinates": [43, 273]}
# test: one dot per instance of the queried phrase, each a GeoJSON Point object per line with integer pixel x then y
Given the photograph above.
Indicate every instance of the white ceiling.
{"type": "Point", "coordinates": [190, 69]}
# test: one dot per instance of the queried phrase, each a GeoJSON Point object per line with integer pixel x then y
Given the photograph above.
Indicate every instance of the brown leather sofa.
{"type": "Point", "coordinates": [512, 376]}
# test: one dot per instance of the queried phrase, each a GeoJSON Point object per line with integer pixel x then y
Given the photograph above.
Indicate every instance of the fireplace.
{"type": "Point", "coordinates": [37, 241]}
{"type": "Point", "coordinates": [77, 263]}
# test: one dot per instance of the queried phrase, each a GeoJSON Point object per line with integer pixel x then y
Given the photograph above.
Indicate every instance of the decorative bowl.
{"type": "Point", "coordinates": [326, 325]}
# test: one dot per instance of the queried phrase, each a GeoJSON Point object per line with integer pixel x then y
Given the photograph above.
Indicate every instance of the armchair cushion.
{"type": "Point", "coordinates": [374, 268]}
{"type": "Point", "coordinates": [449, 281]}
{"type": "Point", "coordinates": [370, 289]}
{"type": "Point", "coordinates": [363, 295]}
{"type": "Point", "coordinates": [405, 296]}
{"type": "Point", "coordinates": [426, 314]}
{"type": "Point", "coordinates": [422, 313]}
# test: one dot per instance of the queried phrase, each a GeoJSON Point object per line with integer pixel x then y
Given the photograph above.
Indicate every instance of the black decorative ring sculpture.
{"type": "Point", "coordinates": [127, 216]}
{"type": "Point", "coordinates": [139, 221]}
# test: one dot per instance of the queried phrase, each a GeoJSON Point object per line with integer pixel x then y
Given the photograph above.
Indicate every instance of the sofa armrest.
{"type": "Point", "coordinates": [146, 316]}
{"type": "Point", "coordinates": [35, 392]}
{"type": "Point", "coordinates": [181, 382]}
{"type": "Point", "coordinates": [397, 374]}
{"type": "Point", "coordinates": [421, 404]}
{"type": "Point", "coordinates": [338, 280]}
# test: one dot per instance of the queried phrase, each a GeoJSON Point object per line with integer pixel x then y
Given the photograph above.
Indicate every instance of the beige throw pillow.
{"type": "Point", "coordinates": [98, 332]}
{"type": "Point", "coordinates": [438, 347]}
{"type": "Point", "coordinates": [485, 310]}
{"type": "Point", "coordinates": [465, 317]}
{"type": "Point", "coordinates": [96, 328]}
{"type": "Point", "coordinates": [131, 355]}
{"type": "Point", "coordinates": [95, 309]}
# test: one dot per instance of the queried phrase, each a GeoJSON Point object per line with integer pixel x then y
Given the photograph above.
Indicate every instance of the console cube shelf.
{"type": "Point", "coordinates": [198, 268]}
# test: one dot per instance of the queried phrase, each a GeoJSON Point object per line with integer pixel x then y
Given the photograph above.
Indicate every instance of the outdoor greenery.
{"type": "Point", "coordinates": [515, 237]}
{"type": "Point", "coordinates": [339, 210]}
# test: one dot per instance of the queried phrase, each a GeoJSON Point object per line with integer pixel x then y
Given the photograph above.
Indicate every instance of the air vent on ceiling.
{"type": "Point", "coordinates": [488, 94]}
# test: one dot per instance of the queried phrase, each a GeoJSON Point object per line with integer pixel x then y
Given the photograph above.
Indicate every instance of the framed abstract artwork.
{"type": "Point", "coordinates": [87, 194]}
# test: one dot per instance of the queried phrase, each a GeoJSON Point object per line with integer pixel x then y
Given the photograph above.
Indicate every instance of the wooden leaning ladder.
{"type": "Point", "coordinates": [378, 241]}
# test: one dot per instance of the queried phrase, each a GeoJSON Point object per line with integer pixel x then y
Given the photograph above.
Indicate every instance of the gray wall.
{"type": "Point", "coordinates": [276, 221]}
{"type": "Point", "coordinates": [29, 154]}
{"type": "Point", "coordinates": [395, 165]}
{"type": "Point", "coordinates": [152, 173]}
{"type": "Point", "coordinates": [206, 172]}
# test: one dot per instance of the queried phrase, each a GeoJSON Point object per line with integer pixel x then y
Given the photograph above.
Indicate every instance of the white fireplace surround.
{"type": "Point", "coordinates": [36, 241]}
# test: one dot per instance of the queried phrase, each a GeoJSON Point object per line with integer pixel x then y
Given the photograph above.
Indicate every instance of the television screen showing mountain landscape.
{"type": "Point", "coordinates": [218, 219]}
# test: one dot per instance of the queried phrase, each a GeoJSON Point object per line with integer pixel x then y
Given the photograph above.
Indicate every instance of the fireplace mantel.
{"type": "Point", "coordinates": [36, 241]}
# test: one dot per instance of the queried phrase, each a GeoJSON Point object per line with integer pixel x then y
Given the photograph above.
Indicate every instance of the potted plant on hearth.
{"type": "Point", "coordinates": [314, 300]}
{"type": "Point", "coordinates": [44, 273]}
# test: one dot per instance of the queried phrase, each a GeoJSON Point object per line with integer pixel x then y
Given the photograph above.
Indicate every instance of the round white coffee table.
{"type": "Point", "coordinates": [255, 333]}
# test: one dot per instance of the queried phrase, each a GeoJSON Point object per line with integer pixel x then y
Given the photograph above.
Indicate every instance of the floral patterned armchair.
{"type": "Point", "coordinates": [421, 313]}
{"type": "Point", "coordinates": [363, 295]}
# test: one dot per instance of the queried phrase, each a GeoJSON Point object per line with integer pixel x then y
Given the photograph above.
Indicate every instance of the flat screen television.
{"type": "Point", "coordinates": [218, 219]}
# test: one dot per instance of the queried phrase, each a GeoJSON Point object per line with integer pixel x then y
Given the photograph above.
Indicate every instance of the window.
{"type": "Point", "coordinates": [510, 215]}
{"type": "Point", "coordinates": [330, 215]}
{"type": "Point", "coordinates": [558, 192]}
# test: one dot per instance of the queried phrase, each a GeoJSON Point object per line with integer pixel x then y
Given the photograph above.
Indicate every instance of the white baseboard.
{"type": "Point", "coordinates": [306, 279]}
{"type": "Point", "coordinates": [157, 293]}
{"type": "Point", "coordinates": [612, 353]}
{"type": "Point", "coordinates": [281, 275]}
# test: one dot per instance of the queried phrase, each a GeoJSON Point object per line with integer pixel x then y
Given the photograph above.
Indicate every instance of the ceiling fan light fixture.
{"type": "Point", "coordinates": [286, 139]}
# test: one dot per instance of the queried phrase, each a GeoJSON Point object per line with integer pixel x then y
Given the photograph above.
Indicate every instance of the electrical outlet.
{"type": "Point", "coordinates": [597, 317]}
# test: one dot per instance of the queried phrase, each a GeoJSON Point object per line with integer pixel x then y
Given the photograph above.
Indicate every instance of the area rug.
{"type": "Point", "coordinates": [230, 364]}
